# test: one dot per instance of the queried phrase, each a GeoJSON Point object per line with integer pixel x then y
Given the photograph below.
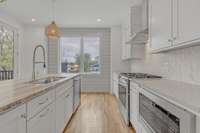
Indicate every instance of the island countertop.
{"type": "Point", "coordinates": [15, 93]}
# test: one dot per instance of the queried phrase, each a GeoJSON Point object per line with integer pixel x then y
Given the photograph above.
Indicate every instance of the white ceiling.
{"type": "Point", "coordinates": [70, 12]}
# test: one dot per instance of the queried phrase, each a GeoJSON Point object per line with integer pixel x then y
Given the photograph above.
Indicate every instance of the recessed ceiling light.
{"type": "Point", "coordinates": [99, 20]}
{"type": "Point", "coordinates": [33, 19]}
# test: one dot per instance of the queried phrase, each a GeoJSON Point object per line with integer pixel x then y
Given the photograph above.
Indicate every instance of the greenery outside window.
{"type": "Point", "coordinates": [80, 54]}
{"type": "Point", "coordinates": [7, 46]}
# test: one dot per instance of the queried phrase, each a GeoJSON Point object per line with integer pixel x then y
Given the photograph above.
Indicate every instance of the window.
{"type": "Point", "coordinates": [91, 54]}
{"type": "Point", "coordinates": [70, 54]}
{"type": "Point", "coordinates": [7, 36]}
{"type": "Point", "coordinates": [80, 54]}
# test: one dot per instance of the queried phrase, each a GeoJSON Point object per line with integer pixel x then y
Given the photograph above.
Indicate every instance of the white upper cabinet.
{"type": "Point", "coordinates": [173, 24]}
{"type": "Point", "coordinates": [186, 21]}
{"type": "Point", "coordinates": [14, 121]}
{"type": "Point", "coordinates": [160, 24]}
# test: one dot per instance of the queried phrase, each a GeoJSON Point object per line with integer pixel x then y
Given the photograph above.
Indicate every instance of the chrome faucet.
{"type": "Point", "coordinates": [38, 62]}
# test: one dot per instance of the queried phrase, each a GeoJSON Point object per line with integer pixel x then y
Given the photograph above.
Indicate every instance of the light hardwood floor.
{"type": "Point", "coordinates": [98, 113]}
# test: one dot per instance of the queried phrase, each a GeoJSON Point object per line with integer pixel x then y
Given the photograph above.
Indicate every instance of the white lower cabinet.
{"type": "Point", "coordinates": [43, 122]}
{"type": "Point", "coordinates": [14, 121]}
{"type": "Point", "coordinates": [64, 109]}
{"type": "Point", "coordinates": [68, 106]}
{"type": "Point", "coordinates": [115, 84]}
{"type": "Point", "coordinates": [60, 112]}
{"type": "Point", "coordinates": [142, 129]}
{"type": "Point", "coordinates": [134, 108]}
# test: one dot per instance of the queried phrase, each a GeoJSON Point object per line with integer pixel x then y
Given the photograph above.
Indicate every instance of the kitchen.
{"type": "Point", "coordinates": [71, 66]}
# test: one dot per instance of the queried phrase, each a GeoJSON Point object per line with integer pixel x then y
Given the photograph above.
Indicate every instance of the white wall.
{"type": "Point", "coordinates": [29, 37]}
{"type": "Point", "coordinates": [181, 65]}
{"type": "Point", "coordinates": [96, 82]}
{"type": "Point", "coordinates": [117, 65]}
{"type": "Point", "coordinates": [33, 36]}
{"type": "Point", "coordinates": [7, 19]}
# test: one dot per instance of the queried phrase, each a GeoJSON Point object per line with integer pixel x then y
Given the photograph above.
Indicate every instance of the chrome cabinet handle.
{"type": "Point", "coordinates": [24, 116]}
{"type": "Point", "coordinates": [47, 99]}
{"type": "Point", "coordinates": [67, 96]}
{"type": "Point", "coordinates": [45, 113]}
{"type": "Point", "coordinates": [169, 40]}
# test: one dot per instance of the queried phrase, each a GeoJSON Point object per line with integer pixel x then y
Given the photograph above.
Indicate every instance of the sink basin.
{"type": "Point", "coordinates": [47, 80]}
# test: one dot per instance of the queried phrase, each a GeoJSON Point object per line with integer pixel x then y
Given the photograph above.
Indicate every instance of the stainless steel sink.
{"type": "Point", "coordinates": [47, 80]}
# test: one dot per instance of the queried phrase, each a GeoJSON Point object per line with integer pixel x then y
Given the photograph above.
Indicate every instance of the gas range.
{"type": "Point", "coordinates": [124, 91]}
{"type": "Point", "coordinates": [138, 75]}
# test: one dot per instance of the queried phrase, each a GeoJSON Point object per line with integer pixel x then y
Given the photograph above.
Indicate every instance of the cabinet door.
{"type": "Point", "coordinates": [44, 122]}
{"type": "Point", "coordinates": [76, 93]}
{"type": "Point", "coordinates": [14, 121]}
{"type": "Point", "coordinates": [143, 130]}
{"type": "Point", "coordinates": [60, 111]}
{"type": "Point", "coordinates": [115, 88]}
{"type": "Point", "coordinates": [134, 108]}
{"type": "Point", "coordinates": [186, 21]}
{"type": "Point", "coordinates": [160, 24]}
{"type": "Point", "coordinates": [68, 106]}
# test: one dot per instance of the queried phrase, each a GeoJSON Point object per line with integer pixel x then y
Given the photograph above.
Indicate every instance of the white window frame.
{"type": "Point", "coordinates": [15, 50]}
{"type": "Point", "coordinates": [82, 52]}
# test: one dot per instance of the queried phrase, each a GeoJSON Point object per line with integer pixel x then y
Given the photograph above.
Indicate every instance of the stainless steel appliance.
{"type": "Point", "coordinates": [124, 92]}
{"type": "Point", "coordinates": [77, 92]}
{"type": "Point", "coordinates": [160, 116]}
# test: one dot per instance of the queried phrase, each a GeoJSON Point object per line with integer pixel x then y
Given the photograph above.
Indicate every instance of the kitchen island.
{"type": "Point", "coordinates": [30, 107]}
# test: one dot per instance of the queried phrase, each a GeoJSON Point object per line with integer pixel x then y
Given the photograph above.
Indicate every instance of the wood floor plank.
{"type": "Point", "coordinates": [98, 113]}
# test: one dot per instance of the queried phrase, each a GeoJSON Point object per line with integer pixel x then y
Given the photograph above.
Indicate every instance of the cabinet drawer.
{"type": "Point", "coordinates": [60, 90]}
{"type": "Point", "coordinates": [43, 122]}
{"type": "Point", "coordinates": [39, 103]}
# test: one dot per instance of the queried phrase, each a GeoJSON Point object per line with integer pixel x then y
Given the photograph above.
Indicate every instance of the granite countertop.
{"type": "Point", "coordinates": [15, 93]}
{"type": "Point", "coordinates": [184, 95]}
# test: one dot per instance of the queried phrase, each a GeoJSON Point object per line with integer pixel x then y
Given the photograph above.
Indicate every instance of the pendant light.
{"type": "Point", "coordinates": [52, 30]}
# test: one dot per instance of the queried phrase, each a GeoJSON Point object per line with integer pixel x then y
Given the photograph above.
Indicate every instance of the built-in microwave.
{"type": "Point", "coordinates": [160, 116]}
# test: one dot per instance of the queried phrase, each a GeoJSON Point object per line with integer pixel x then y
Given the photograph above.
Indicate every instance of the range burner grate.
{"type": "Point", "coordinates": [139, 75]}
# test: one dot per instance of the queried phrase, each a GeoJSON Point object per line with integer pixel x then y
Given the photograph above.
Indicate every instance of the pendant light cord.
{"type": "Point", "coordinates": [53, 10]}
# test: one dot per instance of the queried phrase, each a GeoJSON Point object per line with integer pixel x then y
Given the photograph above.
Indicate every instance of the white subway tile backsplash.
{"type": "Point", "coordinates": [181, 65]}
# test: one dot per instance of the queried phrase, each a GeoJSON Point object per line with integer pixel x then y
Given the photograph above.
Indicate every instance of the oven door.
{"type": "Point", "coordinates": [123, 95]}
{"type": "Point", "coordinates": [124, 101]}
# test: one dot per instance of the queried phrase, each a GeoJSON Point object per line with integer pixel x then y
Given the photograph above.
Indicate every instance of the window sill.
{"type": "Point", "coordinates": [90, 73]}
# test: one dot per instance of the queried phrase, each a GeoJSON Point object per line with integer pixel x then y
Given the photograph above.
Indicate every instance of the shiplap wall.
{"type": "Point", "coordinates": [90, 82]}
{"type": "Point", "coordinates": [53, 56]}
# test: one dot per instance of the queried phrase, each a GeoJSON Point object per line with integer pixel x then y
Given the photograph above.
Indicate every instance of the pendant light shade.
{"type": "Point", "coordinates": [52, 30]}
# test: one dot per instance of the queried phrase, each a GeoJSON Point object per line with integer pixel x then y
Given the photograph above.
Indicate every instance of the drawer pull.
{"type": "Point", "coordinates": [44, 114]}
{"type": "Point", "coordinates": [23, 116]}
{"type": "Point", "coordinates": [41, 103]}
{"type": "Point", "coordinates": [67, 96]}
